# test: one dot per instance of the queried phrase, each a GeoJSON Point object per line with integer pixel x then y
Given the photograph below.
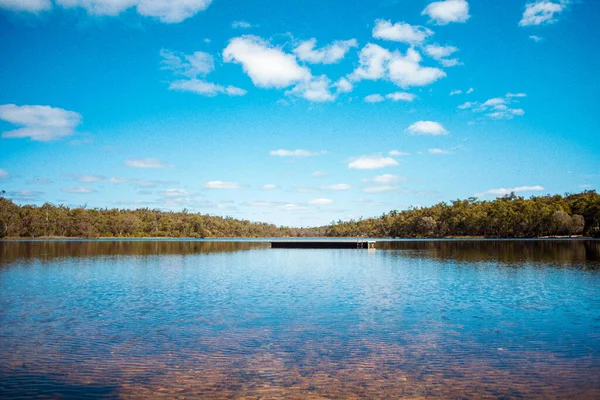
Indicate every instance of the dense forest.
{"type": "Point", "coordinates": [510, 216]}
{"type": "Point", "coordinates": [59, 221]}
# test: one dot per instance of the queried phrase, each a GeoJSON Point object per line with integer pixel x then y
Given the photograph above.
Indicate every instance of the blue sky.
{"type": "Point", "coordinates": [297, 112]}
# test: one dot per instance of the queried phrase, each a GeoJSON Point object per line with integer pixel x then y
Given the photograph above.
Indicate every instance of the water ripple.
{"type": "Point", "coordinates": [251, 322]}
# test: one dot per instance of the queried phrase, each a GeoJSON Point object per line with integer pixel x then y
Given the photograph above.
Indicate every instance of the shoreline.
{"type": "Point", "coordinates": [266, 239]}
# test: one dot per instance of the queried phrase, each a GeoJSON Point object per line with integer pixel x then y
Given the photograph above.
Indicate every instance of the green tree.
{"type": "Point", "coordinates": [577, 224]}
{"type": "Point", "coordinates": [562, 223]}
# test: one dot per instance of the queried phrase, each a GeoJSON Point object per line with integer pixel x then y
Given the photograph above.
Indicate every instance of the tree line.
{"type": "Point", "coordinates": [510, 216]}
{"type": "Point", "coordinates": [48, 220]}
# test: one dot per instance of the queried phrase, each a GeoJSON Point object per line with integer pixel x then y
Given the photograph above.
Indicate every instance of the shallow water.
{"type": "Point", "coordinates": [413, 319]}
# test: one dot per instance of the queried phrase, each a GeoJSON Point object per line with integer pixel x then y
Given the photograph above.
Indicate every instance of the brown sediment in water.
{"type": "Point", "coordinates": [254, 366]}
{"type": "Point", "coordinates": [78, 328]}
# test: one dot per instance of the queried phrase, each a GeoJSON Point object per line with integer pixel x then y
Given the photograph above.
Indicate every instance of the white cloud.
{"type": "Point", "coordinates": [192, 66]}
{"type": "Point", "coordinates": [387, 178]}
{"type": "Point", "coordinates": [261, 204]}
{"type": "Point", "coordinates": [119, 180]}
{"type": "Point", "coordinates": [450, 62]}
{"type": "Point", "coordinates": [343, 85]}
{"type": "Point", "coordinates": [536, 39]}
{"type": "Point", "coordinates": [494, 102]}
{"type": "Point", "coordinates": [170, 11]}
{"type": "Point", "coordinates": [88, 178]}
{"type": "Point", "coordinates": [146, 163]}
{"type": "Point", "coordinates": [269, 186]}
{"type": "Point", "coordinates": [141, 183]}
{"type": "Point", "coordinates": [400, 32]}
{"type": "Point", "coordinates": [506, 113]}
{"type": "Point", "coordinates": [445, 12]}
{"type": "Point", "coordinates": [542, 12]}
{"type": "Point", "coordinates": [241, 24]}
{"type": "Point", "coordinates": [373, 61]}
{"type": "Point", "coordinates": [338, 186]}
{"type": "Point", "coordinates": [79, 190]}
{"type": "Point", "coordinates": [292, 207]}
{"type": "Point", "coordinates": [234, 91]}
{"type": "Point", "coordinates": [455, 92]}
{"type": "Point", "coordinates": [499, 107]}
{"type": "Point", "coordinates": [471, 90]}
{"type": "Point", "coordinates": [33, 6]}
{"type": "Point", "coordinates": [397, 153]}
{"type": "Point", "coordinates": [468, 104]}
{"type": "Point", "coordinates": [374, 98]}
{"type": "Point", "coordinates": [148, 184]}
{"type": "Point", "coordinates": [222, 185]}
{"type": "Point", "coordinates": [188, 65]}
{"type": "Point", "coordinates": [267, 66]}
{"type": "Point", "coordinates": [371, 162]}
{"type": "Point", "coordinates": [383, 179]}
{"type": "Point", "coordinates": [321, 201]}
{"type": "Point", "coordinates": [405, 71]}
{"type": "Point", "coordinates": [271, 67]}
{"type": "Point", "coordinates": [427, 128]}
{"type": "Point", "coordinates": [498, 115]}
{"type": "Point", "coordinates": [319, 173]}
{"type": "Point", "coordinates": [176, 193]}
{"type": "Point", "coordinates": [438, 151]}
{"type": "Point", "coordinates": [167, 11]}
{"type": "Point", "coordinates": [380, 189]}
{"type": "Point", "coordinates": [329, 54]}
{"type": "Point", "coordinates": [205, 88]}
{"type": "Point", "coordinates": [440, 53]}
{"type": "Point", "coordinates": [23, 194]}
{"type": "Point", "coordinates": [3, 174]}
{"type": "Point", "coordinates": [400, 96]}
{"type": "Point", "coordinates": [505, 191]}
{"type": "Point", "coordinates": [314, 89]}
{"type": "Point", "coordinates": [99, 7]}
{"type": "Point", "coordinates": [40, 123]}
{"type": "Point", "coordinates": [511, 95]}
{"type": "Point", "coordinates": [298, 153]}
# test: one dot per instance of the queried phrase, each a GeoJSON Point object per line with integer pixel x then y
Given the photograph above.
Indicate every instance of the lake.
{"type": "Point", "coordinates": [227, 319]}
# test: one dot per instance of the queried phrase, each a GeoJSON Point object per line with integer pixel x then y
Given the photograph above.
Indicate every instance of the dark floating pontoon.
{"type": "Point", "coordinates": [323, 244]}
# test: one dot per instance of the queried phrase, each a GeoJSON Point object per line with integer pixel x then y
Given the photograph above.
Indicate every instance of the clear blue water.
{"type": "Point", "coordinates": [224, 319]}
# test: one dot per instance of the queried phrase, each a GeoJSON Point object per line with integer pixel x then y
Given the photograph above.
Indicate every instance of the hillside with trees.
{"type": "Point", "coordinates": [506, 217]}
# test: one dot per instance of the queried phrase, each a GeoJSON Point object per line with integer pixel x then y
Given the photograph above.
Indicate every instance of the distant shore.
{"type": "Point", "coordinates": [150, 238]}
{"type": "Point", "coordinates": [511, 216]}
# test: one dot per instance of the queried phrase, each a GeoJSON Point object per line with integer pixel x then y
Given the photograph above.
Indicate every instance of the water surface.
{"type": "Point", "coordinates": [413, 319]}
